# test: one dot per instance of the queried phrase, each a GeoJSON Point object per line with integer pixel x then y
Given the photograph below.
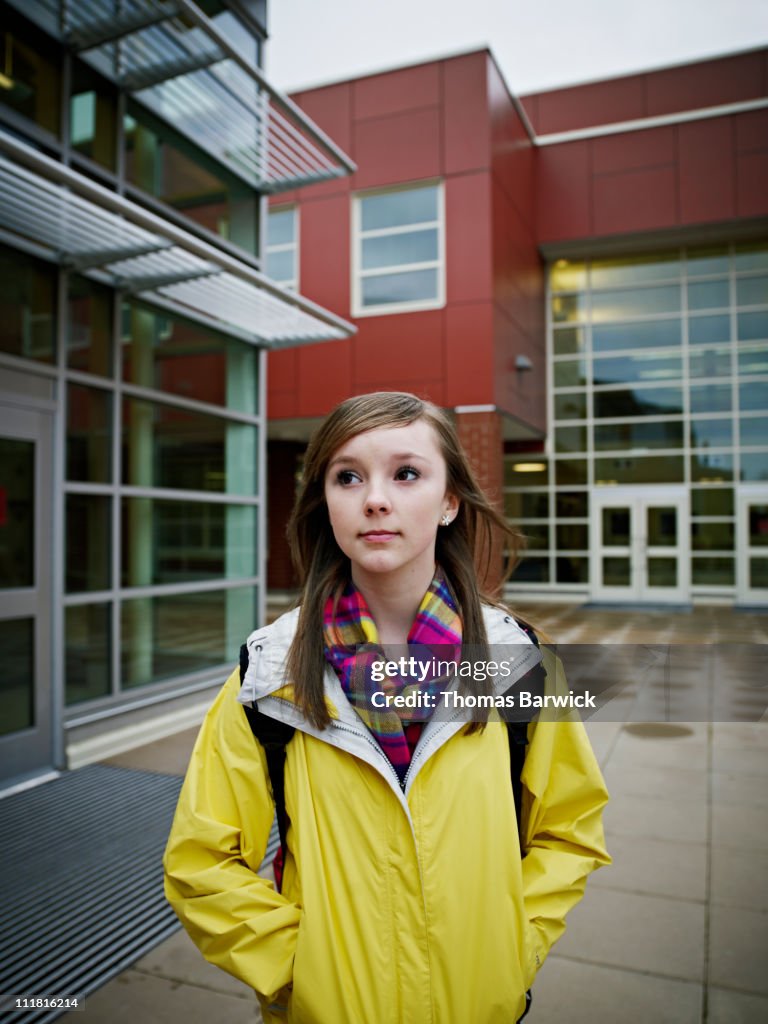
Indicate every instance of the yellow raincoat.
{"type": "Point", "coordinates": [397, 907]}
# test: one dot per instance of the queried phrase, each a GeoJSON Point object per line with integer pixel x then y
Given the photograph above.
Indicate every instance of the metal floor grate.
{"type": "Point", "coordinates": [81, 883]}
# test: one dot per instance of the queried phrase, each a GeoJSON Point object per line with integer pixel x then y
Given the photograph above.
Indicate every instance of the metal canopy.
{"type": "Point", "coordinates": [86, 227]}
{"type": "Point", "coordinates": [176, 62]}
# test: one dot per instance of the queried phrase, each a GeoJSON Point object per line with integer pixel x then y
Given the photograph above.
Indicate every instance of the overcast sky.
{"type": "Point", "coordinates": [538, 44]}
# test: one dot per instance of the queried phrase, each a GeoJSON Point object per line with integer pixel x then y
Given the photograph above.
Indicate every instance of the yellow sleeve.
{"type": "Point", "coordinates": [217, 842]}
{"type": "Point", "coordinates": [563, 799]}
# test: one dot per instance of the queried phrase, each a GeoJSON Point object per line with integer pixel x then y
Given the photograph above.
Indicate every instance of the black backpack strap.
{"type": "Point", "coordinates": [274, 737]}
{"type": "Point", "coordinates": [517, 733]}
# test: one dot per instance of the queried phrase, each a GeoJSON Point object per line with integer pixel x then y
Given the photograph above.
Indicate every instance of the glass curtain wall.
{"type": "Point", "coordinates": [659, 376]}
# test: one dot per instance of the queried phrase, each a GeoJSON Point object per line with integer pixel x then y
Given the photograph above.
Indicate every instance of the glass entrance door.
{"type": "Point", "coordinates": [26, 745]}
{"type": "Point", "coordinates": [639, 545]}
{"type": "Point", "coordinates": [752, 534]}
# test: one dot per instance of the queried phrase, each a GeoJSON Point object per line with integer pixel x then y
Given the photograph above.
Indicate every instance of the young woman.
{"type": "Point", "coordinates": [406, 898]}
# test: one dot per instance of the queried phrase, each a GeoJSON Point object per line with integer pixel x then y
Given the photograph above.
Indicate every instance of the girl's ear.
{"type": "Point", "coordinates": [452, 504]}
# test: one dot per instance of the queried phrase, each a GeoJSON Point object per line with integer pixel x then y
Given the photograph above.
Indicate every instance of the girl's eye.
{"type": "Point", "coordinates": [407, 473]}
{"type": "Point", "coordinates": [346, 476]}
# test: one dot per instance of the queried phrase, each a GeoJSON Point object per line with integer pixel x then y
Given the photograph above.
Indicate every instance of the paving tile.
{"type": "Point", "coordinates": [178, 959]}
{"type": "Point", "coordinates": [655, 867]}
{"type": "Point", "coordinates": [737, 788]}
{"type": "Point", "coordinates": [740, 825]}
{"type": "Point", "coordinates": [747, 760]}
{"type": "Point", "coordinates": [737, 877]}
{"type": "Point", "coordinates": [739, 735]}
{"type": "Point", "coordinates": [677, 821]}
{"type": "Point", "coordinates": [651, 934]}
{"type": "Point", "coordinates": [738, 940]}
{"type": "Point", "coordinates": [582, 993]}
{"type": "Point", "coordinates": [735, 1007]}
{"type": "Point", "coordinates": [687, 752]}
{"type": "Point", "coordinates": [137, 996]}
{"type": "Point", "coordinates": [652, 780]}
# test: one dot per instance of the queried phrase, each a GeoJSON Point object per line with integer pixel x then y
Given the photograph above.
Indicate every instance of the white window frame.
{"type": "Point", "coordinates": [291, 283]}
{"type": "Point", "coordinates": [385, 309]}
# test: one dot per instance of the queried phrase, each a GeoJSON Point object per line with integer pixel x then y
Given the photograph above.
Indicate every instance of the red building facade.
{"type": "Point", "coordinates": [539, 200]}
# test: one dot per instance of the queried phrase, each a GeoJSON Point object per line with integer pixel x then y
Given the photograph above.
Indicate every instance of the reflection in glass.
{"type": "Point", "coordinates": [710, 398]}
{"type": "Point", "coordinates": [712, 467]}
{"type": "Point", "coordinates": [571, 503]}
{"type": "Point", "coordinates": [639, 401]}
{"type": "Point", "coordinates": [570, 471]}
{"type": "Point", "coordinates": [622, 305]}
{"type": "Point", "coordinates": [753, 359]}
{"type": "Point", "coordinates": [709, 295]}
{"type": "Point", "coordinates": [707, 261]}
{"type": "Point", "coordinates": [89, 535]}
{"type": "Point", "coordinates": [178, 634]}
{"type": "Point", "coordinates": [754, 430]}
{"type": "Point", "coordinates": [752, 291]}
{"type": "Point", "coordinates": [525, 469]}
{"type": "Point", "coordinates": [758, 525]}
{"type": "Point", "coordinates": [617, 572]}
{"type": "Point", "coordinates": [709, 330]}
{"type": "Point", "coordinates": [93, 117]}
{"type": "Point", "coordinates": [629, 369]}
{"type": "Point", "coordinates": [753, 326]}
{"type": "Point", "coordinates": [709, 433]}
{"type": "Point", "coordinates": [537, 536]}
{"type": "Point", "coordinates": [571, 406]}
{"type": "Point", "coordinates": [17, 513]}
{"type": "Point", "coordinates": [409, 286]}
{"type": "Point", "coordinates": [31, 73]}
{"type": "Point", "coordinates": [751, 256]}
{"type": "Point", "coordinates": [753, 397]}
{"type": "Point", "coordinates": [570, 439]}
{"type": "Point", "coordinates": [649, 469]}
{"type": "Point", "coordinates": [572, 536]}
{"type": "Point", "coordinates": [656, 267]}
{"type": "Point", "coordinates": [754, 466]}
{"type": "Point", "coordinates": [89, 434]}
{"type": "Point", "coordinates": [27, 306]}
{"type": "Point", "coordinates": [396, 209]}
{"type": "Point", "coordinates": [712, 536]}
{"type": "Point", "coordinates": [712, 501]}
{"type": "Point", "coordinates": [661, 526]}
{"type": "Point", "coordinates": [179, 541]}
{"type": "Point", "coordinates": [566, 276]}
{"type": "Point", "coordinates": [88, 666]}
{"type": "Point", "coordinates": [89, 326]}
{"type": "Point", "coordinates": [175, 355]}
{"type": "Point", "coordinates": [645, 334]}
{"type": "Point", "coordinates": [17, 690]}
{"type": "Point", "coordinates": [164, 446]}
{"type": "Point", "coordinates": [616, 527]}
{"type": "Point", "coordinates": [403, 247]}
{"type": "Point", "coordinates": [662, 572]}
{"type": "Point", "coordinates": [570, 373]}
{"type": "Point", "coordinates": [714, 571]}
{"type": "Point", "coordinates": [639, 434]}
{"type": "Point", "coordinates": [710, 362]}
{"type": "Point", "coordinates": [569, 341]}
{"type": "Point", "coordinates": [526, 505]}
{"type": "Point", "coordinates": [566, 308]}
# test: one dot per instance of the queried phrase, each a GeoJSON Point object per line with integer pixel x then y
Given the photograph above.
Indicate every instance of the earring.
{"type": "Point", "coordinates": [445, 520]}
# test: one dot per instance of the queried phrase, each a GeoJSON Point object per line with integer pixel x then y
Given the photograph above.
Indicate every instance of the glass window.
{"type": "Point", "coordinates": [621, 305]}
{"type": "Point", "coordinates": [17, 536]}
{"type": "Point", "coordinates": [708, 261]}
{"type": "Point", "coordinates": [282, 250]}
{"type": "Point", "coordinates": [571, 406]}
{"type": "Point", "coordinates": [89, 326]}
{"type": "Point", "coordinates": [710, 362]}
{"type": "Point", "coordinates": [566, 308]}
{"type": "Point", "coordinates": [569, 341]}
{"type": "Point", "coordinates": [398, 250]}
{"type": "Point", "coordinates": [638, 270]}
{"type": "Point", "coordinates": [17, 694]}
{"type": "Point", "coordinates": [651, 469]}
{"type": "Point", "coordinates": [536, 536]}
{"type": "Point", "coordinates": [570, 439]}
{"type": "Point", "coordinates": [572, 536]}
{"type": "Point", "coordinates": [89, 434]}
{"type": "Point", "coordinates": [752, 291]}
{"type": "Point", "coordinates": [572, 569]}
{"type": "Point", "coordinates": [753, 326]}
{"type": "Point", "coordinates": [718, 572]}
{"type": "Point", "coordinates": [525, 470]}
{"type": "Point", "coordinates": [27, 306]}
{"type": "Point", "coordinates": [164, 446]}
{"type": "Point", "coordinates": [712, 536]}
{"type": "Point", "coordinates": [709, 295]}
{"type": "Point", "coordinates": [753, 359]}
{"type": "Point", "coordinates": [752, 256]}
{"type": "Point", "coordinates": [753, 397]}
{"type": "Point", "coordinates": [566, 276]}
{"type": "Point", "coordinates": [181, 357]}
{"type": "Point", "coordinates": [526, 505]}
{"type": "Point", "coordinates": [532, 570]}
{"type": "Point", "coordinates": [180, 541]}
{"type": "Point", "coordinates": [638, 401]}
{"type": "Point", "coordinates": [618, 436]}
{"type": "Point", "coordinates": [570, 471]}
{"type": "Point", "coordinates": [712, 501]}
{"type": "Point", "coordinates": [93, 117]}
{"type": "Point", "coordinates": [711, 398]}
{"type": "Point", "coordinates": [571, 503]}
{"type": "Point", "coordinates": [754, 466]}
{"type": "Point", "coordinates": [631, 369]}
{"type": "Point", "coordinates": [88, 639]}
{"type": "Point", "coordinates": [754, 430]}
{"type": "Point", "coordinates": [649, 334]}
{"type": "Point", "coordinates": [712, 467]}
{"type": "Point", "coordinates": [709, 330]}
{"type": "Point", "coordinates": [709, 433]}
{"type": "Point", "coordinates": [177, 634]}
{"type": "Point", "coordinates": [89, 542]}
{"type": "Point", "coordinates": [570, 373]}
{"type": "Point", "coordinates": [30, 79]}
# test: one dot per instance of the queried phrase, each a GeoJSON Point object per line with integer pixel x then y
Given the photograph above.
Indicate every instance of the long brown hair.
{"type": "Point", "coordinates": [324, 570]}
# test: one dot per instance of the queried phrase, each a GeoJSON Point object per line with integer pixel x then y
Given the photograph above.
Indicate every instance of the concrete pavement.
{"type": "Point", "coordinates": [675, 931]}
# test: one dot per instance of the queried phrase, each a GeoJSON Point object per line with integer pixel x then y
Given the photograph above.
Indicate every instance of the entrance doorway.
{"type": "Point", "coordinates": [752, 545]}
{"type": "Point", "coordinates": [26, 701]}
{"type": "Point", "coordinates": [639, 544]}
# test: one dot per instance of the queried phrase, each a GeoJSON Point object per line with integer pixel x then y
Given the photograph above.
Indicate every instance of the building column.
{"type": "Point", "coordinates": [480, 434]}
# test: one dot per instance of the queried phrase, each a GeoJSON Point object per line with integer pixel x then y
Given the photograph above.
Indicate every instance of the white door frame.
{"type": "Point", "coordinates": [747, 495]}
{"type": "Point", "coordinates": [637, 500]}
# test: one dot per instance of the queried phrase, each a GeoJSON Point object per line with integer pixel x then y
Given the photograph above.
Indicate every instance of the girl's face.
{"type": "Point", "coordinates": [386, 491]}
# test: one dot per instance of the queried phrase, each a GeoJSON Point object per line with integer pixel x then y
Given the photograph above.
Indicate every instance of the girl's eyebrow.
{"type": "Point", "coordinates": [395, 457]}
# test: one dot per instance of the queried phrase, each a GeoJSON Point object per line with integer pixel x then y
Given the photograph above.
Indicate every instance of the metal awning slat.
{"type": "Point", "coordinates": [99, 32]}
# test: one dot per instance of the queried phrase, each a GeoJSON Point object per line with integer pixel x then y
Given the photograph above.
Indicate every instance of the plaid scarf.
{"type": "Point", "coordinates": [352, 648]}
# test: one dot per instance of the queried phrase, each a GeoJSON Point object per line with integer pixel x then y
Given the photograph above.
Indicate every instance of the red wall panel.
{"type": "Point", "coordinates": [401, 147]}
{"type": "Point", "coordinates": [707, 170]}
{"type": "Point", "coordinates": [704, 84]}
{"type": "Point", "coordinates": [325, 376]}
{"type": "Point", "coordinates": [466, 129]}
{"type": "Point", "coordinates": [469, 354]}
{"type": "Point", "coordinates": [468, 238]}
{"type": "Point", "coordinates": [405, 347]}
{"type": "Point", "coordinates": [583, 106]}
{"type": "Point", "coordinates": [633, 150]}
{"type": "Point", "coordinates": [331, 109]}
{"type": "Point", "coordinates": [324, 232]}
{"type": "Point", "coordinates": [563, 191]}
{"type": "Point", "coordinates": [641, 200]}
{"type": "Point", "coordinates": [396, 92]}
{"type": "Point", "coordinates": [751, 189]}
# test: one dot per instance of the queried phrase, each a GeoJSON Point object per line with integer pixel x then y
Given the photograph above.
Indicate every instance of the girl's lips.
{"type": "Point", "coordinates": [378, 536]}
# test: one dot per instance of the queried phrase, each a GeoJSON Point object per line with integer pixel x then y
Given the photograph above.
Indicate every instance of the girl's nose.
{"type": "Point", "coordinates": [376, 500]}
